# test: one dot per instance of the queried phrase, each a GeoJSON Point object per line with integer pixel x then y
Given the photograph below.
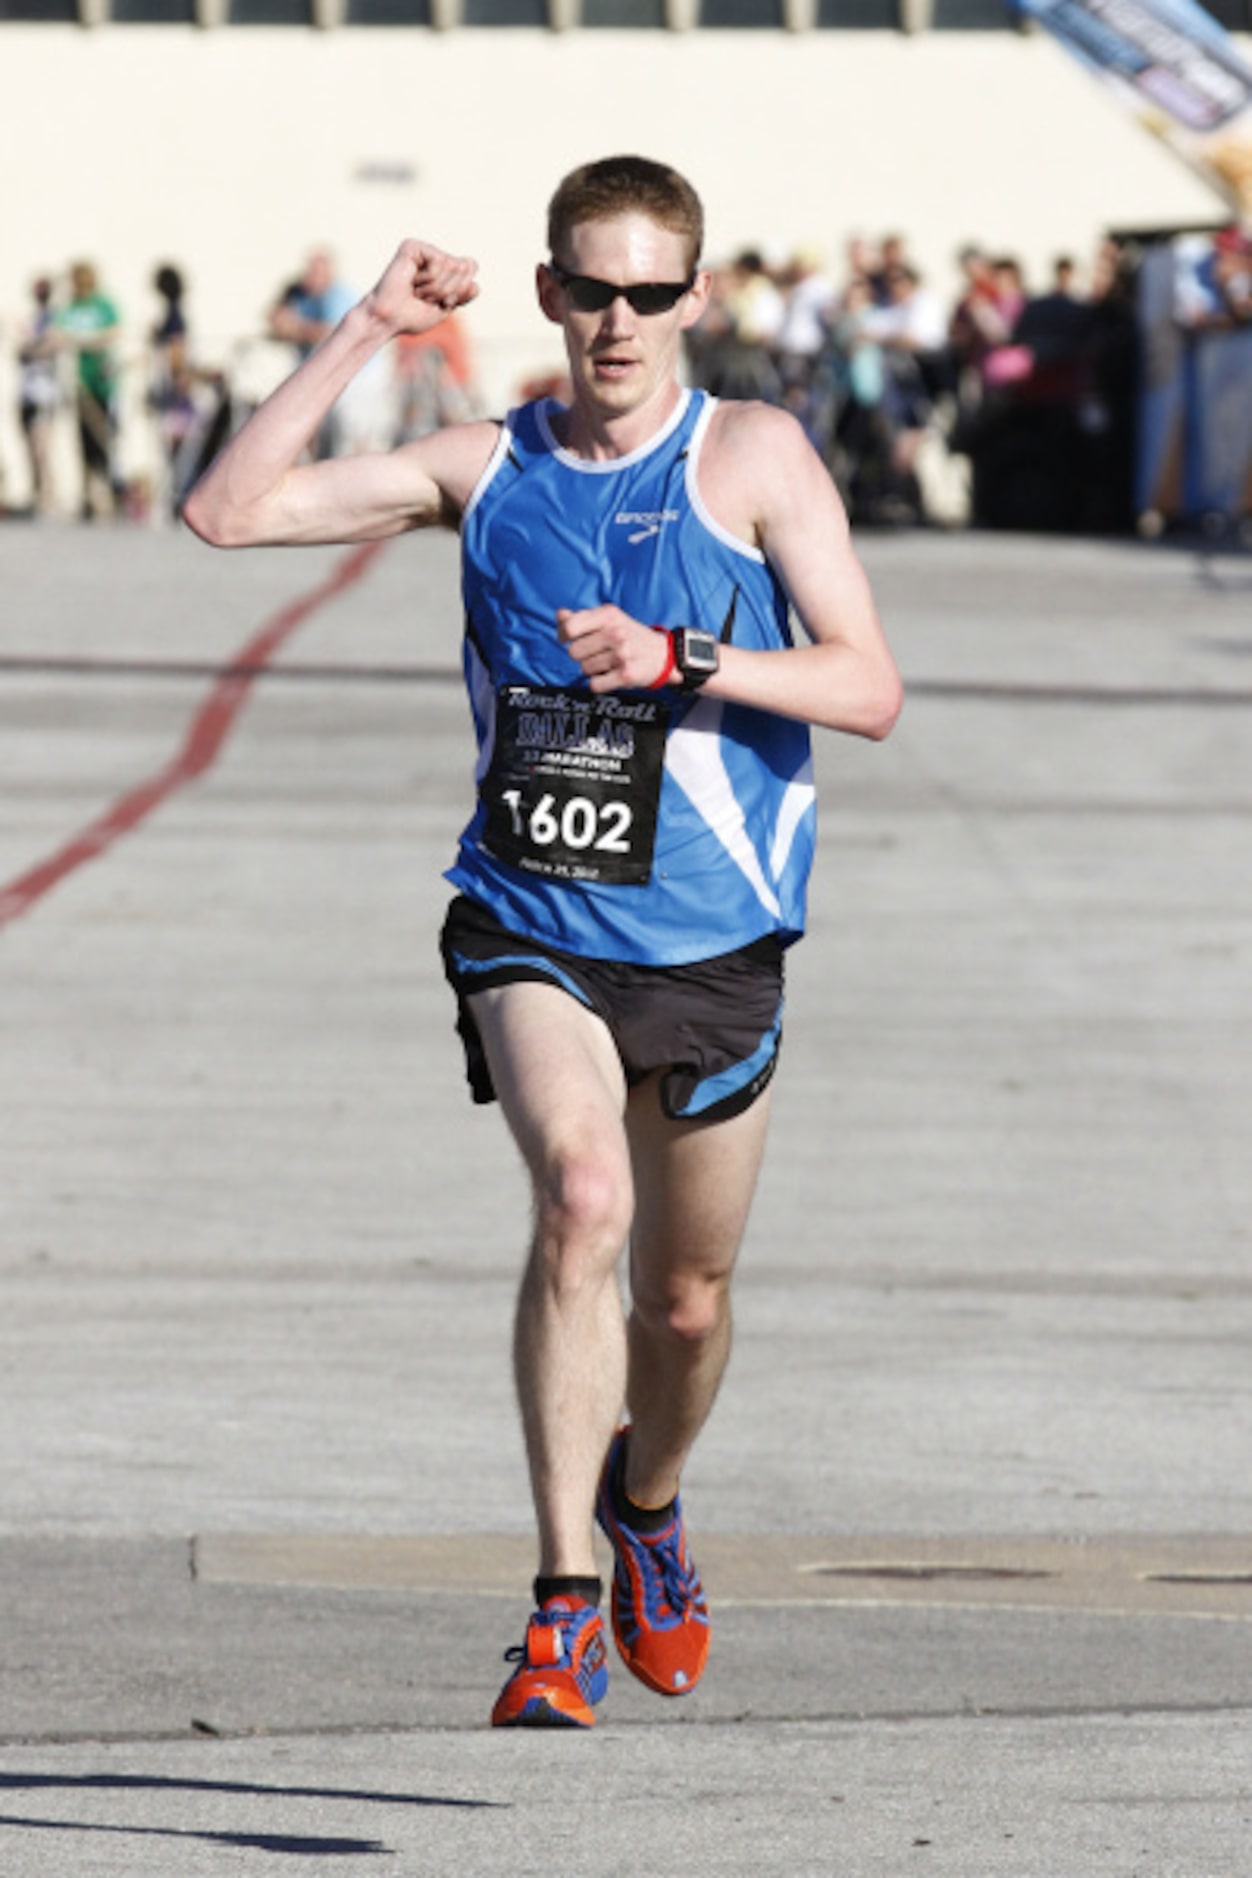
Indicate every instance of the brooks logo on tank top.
{"type": "Point", "coordinates": [651, 826]}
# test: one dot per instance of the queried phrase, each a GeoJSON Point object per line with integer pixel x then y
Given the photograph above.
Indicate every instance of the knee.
{"type": "Point", "coordinates": [583, 1205]}
{"type": "Point", "coordinates": [686, 1308]}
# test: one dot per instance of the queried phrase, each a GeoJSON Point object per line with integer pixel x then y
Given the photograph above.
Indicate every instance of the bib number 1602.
{"type": "Point", "coordinates": [577, 823]}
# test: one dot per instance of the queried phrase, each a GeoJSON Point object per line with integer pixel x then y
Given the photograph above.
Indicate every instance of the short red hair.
{"type": "Point", "coordinates": [625, 185]}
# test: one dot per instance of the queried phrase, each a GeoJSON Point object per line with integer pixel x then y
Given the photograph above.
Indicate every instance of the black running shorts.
{"type": "Point", "coordinates": [714, 1027]}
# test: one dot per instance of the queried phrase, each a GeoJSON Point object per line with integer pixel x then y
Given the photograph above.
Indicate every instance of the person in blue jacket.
{"type": "Point", "coordinates": [635, 864]}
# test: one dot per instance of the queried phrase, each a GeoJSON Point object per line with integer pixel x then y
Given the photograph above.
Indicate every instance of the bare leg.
{"type": "Point", "coordinates": [38, 444]}
{"type": "Point", "coordinates": [694, 1185]}
{"type": "Point", "coordinates": [560, 1085]}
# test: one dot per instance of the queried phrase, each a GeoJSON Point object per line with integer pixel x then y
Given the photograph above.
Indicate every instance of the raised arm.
{"type": "Point", "coordinates": [258, 492]}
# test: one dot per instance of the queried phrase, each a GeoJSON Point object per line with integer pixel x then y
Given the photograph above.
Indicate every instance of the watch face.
{"type": "Point", "coordinates": [696, 653]}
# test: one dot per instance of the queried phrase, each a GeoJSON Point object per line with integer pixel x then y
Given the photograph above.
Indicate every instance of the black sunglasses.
{"type": "Point", "coordinates": [588, 295]}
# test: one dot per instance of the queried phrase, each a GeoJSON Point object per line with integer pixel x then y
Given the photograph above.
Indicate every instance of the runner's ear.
{"type": "Point", "coordinates": [548, 292]}
{"type": "Point", "coordinates": [698, 298]}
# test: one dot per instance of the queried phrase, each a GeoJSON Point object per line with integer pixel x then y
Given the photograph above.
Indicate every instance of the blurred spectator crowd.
{"type": "Point", "coordinates": [916, 404]}
{"type": "Point", "coordinates": [1011, 404]}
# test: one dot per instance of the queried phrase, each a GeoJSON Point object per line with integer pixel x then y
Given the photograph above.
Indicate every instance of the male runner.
{"type": "Point", "coordinates": [637, 858]}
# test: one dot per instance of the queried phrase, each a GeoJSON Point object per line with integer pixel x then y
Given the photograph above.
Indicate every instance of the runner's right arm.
{"type": "Point", "coordinates": [257, 492]}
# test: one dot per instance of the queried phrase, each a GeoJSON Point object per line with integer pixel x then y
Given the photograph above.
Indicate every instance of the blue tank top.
{"type": "Point", "coordinates": [653, 827]}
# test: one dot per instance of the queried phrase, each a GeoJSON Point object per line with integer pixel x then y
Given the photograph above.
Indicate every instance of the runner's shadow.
{"type": "Point", "coordinates": [290, 1844]}
{"type": "Point", "coordinates": [165, 1783]}
{"type": "Point", "coordinates": [248, 1841]}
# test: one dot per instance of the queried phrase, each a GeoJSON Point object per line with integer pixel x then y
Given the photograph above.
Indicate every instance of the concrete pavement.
{"type": "Point", "coordinates": [976, 1505]}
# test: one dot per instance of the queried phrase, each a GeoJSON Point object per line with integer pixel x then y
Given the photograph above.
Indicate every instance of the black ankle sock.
{"type": "Point", "coordinates": [639, 1518]}
{"type": "Point", "coordinates": [586, 1590]}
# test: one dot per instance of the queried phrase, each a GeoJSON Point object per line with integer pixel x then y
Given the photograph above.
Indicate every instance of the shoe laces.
{"type": "Point", "coordinates": [679, 1584]}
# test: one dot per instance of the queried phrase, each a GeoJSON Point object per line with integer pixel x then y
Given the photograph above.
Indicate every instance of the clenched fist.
{"type": "Point", "coordinates": [420, 287]}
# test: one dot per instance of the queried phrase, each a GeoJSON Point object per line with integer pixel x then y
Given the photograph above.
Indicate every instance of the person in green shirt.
{"type": "Point", "coordinates": [88, 325]}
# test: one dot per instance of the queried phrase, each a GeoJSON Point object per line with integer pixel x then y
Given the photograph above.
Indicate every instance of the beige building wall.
{"type": "Point", "coordinates": [232, 151]}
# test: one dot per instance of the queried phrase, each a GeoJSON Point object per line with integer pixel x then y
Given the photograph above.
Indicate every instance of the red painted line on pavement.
{"type": "Point", "coordinates": [201, 746]}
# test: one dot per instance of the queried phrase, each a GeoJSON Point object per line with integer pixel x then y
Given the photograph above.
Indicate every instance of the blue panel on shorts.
{"type": "Point", "coordinates": [480, 968]}
{"type": "Point", "coordinates": [728, 1082]}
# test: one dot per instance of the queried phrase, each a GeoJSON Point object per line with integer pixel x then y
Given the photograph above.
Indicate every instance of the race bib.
{"type": "Point", "coordinates": [574, 784]}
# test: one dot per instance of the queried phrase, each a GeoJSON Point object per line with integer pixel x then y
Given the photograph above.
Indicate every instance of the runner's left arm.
{"type": "Point", "coordinates": [845, 678]}
{"type": "Point", "coordinates": [765, 479]}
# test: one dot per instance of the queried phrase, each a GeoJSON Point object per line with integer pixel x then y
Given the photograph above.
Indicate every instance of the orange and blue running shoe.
{"type": "Point", "coordinates": [660, 1617]}
{"type": "Point", "coordinates": [562, 1669]}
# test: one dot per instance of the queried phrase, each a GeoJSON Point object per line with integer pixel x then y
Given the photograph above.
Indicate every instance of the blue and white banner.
{"type": "Point", "coordinates": [1176, 69]}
